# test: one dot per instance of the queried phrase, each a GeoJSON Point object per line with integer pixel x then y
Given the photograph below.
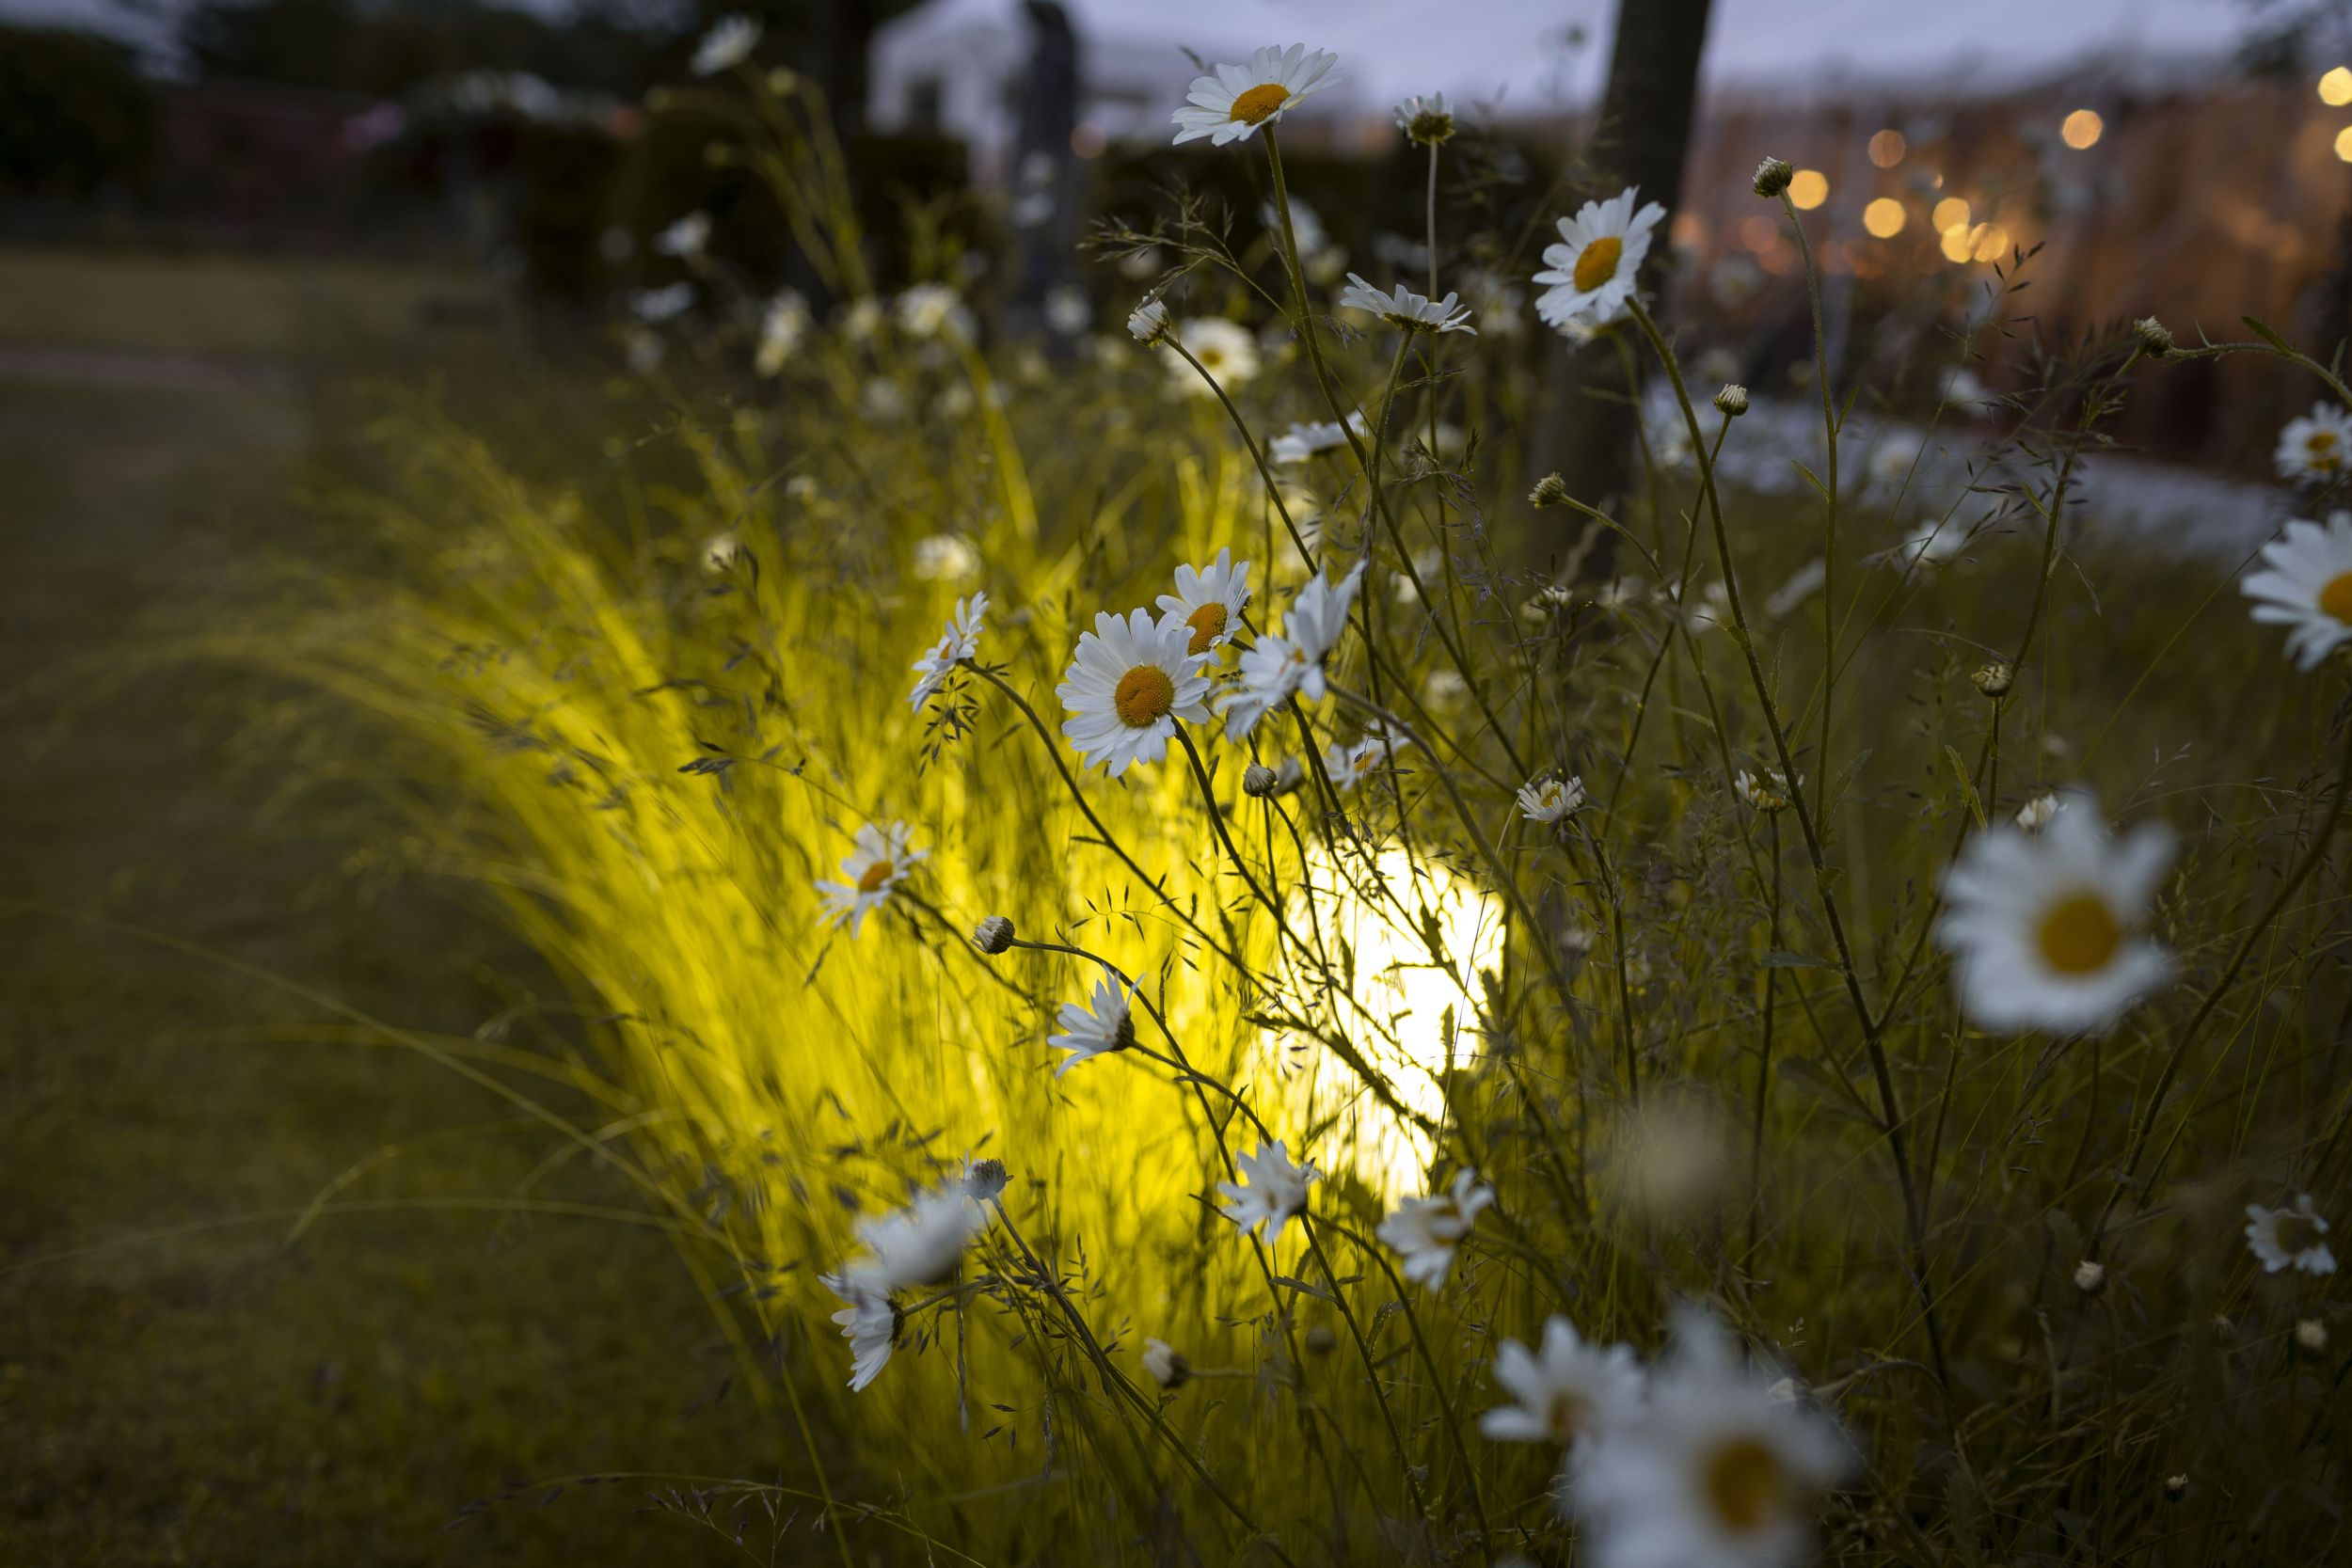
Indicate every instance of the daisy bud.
{"type": "Point", "coordinates": [2090, 1278]}
{"type": "Point", "coordinates": [1321, 1340]}
{"type": "Point", "coordinates": [1995, 679]}
{"type": "Point", "coordinates": [1166, 1363]}
{"type": "Point", "coordinates": [2310, 1336]}
{"type": "Point", "coordinates": [993, 935]}
{"type": "Point", "coordinates": [2175, 1488]}
{"type": "Point", "coordinates": [1551, 490]}
{"type": "Point", "coordinates": [1732, 400]}
{"type": "Point", "coordinates": [984, 1179]}
{"type": "Point", "coordinates": [2155, 339]}
{"type": "Point", "coordinates": [1773, 176]}
{"type": "Point", "coordinates": [1258, 781]}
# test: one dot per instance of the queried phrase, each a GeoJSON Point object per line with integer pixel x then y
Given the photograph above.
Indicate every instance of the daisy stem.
{"type": "Point", "coordinates": [1764, 1065]}
{"type": "Point", "coordinates": [1890, 1108]}
{"type": "Point", "coordinates": [2247, 943]}
{"type": "Point", "coordinates": [1432, 220]}
{"type": "Point", "coordinates": [1829, 543]}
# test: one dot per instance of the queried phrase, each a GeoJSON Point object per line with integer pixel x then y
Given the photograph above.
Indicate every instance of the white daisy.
{"type": "Point", "coordinates": [1803, 584]}
{"type": "Point", "coordinates": [877, 861]}
{"type": "Point", "coordinates": [686, 237]}
{"type": "Point", "coordinates": [1314, 436]}
{"type": "Point", "coordinates": [1165, 1363]}
{"type": "Point", "coordinates": [946, 557]}
{"type": "Point", "coordinates": [862, 320]}
{"type": "Point", "coordinates": [2315, 446]}
{"type": "Point", "coordinates": [729, 43]}
{"type": "Point", "coordinates": [1570, 1392]}
{"type": "Point", "coordinates": [1426, 122]}
{"type": "Point", "coordinates": [1273, 1190]}
{"type": "Point", "coordinates": [931, 311]}
{"type": "Point", "coordinates": [1599, 255]}
{"type": "Point", "coordinates": [1400, 307]}
{"type": "Point", "coordinates": [1550, 799]}
{"type": "Point", "coordinates": [2035, 814]}
{"type": "Point", "coordinates": [782, 328]}
{"type": "Point", "coordinates": [1718, 1473]}
{"type": "Point", "coordinates": [2306, 583]}
{"type": "Point", "coordinates": [1349, 766]}
{"type": "Point", "coordinates": [1148, 322]}
{"type": "Point", "coordinates": [721, 551]}
{"type": "Point", "coordinates": [1275, 667]}
{"type": "Point", "coordinates": [1236, 100]}
{"type": "Point", "coordinates": [1224, 349]}
{"type": "Point", "coordinates": [2044, 928]}
{"type": "Point", "coordinates": [1087, 1033]}
{"type": "Point", "coordinates": [1425, 1231]}
{"type": "Point", "coordinates": [655, 305]}
{"type": "Point", "coordinates": [870, 1322]}
{"type": "Point", "coordinates": [1128, 684]}
{"type": "Point", "coordinates": [1933, 543]}
{"type": "Point", "coordinates": [1209, 600]}
{"type": "Point", "coordinates": [960, 642]}
{"type": "Point", "coordinates": [1765, 791]}
{"type": "Point", "coordinates": [2289, 1238]}
{"type": "Point", "coordinates": [920, 1243]}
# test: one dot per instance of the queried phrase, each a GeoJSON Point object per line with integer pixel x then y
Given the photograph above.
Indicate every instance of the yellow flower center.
{"type": "Point", "coordinates": [1208, 625]}
{"type": "Point", "coordinates": [2293, 1234]}
{"type": "Point", "coordinates": [2079, 935]}
{"type": "Point", "coordinates": [1144, 696]}
{"type": "Point", "coordinates": [2321, 441]}
{"type": "Point", "coordinates": [1566, 1415]}
{"type": "Point", "coordinates": [2336, 599]}
{"type": "Point", "coordinates": [875, 875]}
{"type": "Point", "coordinates": [1599, 264]}
{"type": "Point", "coordinates": [1746, 1484]}
{"type": "Point", "coordinates": [1252, 108]}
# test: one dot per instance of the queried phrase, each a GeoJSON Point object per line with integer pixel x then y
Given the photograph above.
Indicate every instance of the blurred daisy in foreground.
{"type": "Point", "coordinates": [960, 642]}
{"type": "Point", "coordinates": [2315, 446]}
{"type": "Point", "coordinates": [870, 1322]}
{"type": "Point", "coordinates": [946, 557]}
{"type": "Point", "coordinates": [920, 1243]}
{"type": "Point", "coordinates": [1593, 269]}
{"type": "Point", "coordinates": [2306, 583]}
{"type": "Point", "coordinates": [1128, 684]}
{"type": "Point", "coordinates": [1275, 668]}
{"type": "Point", "coordinates": [1425, 1231]}
{"type": "Point", "coordinates": [729, 43]}
{"type": "Point", "coordinates": [1400, 307]}
{"type": "Point", "coordinates": [1091, 1031]}
{"type": "Point", "coordinates": [1314, 438]}
{"type": "Point", "coordinates": [1550, 799]}
{"type": "Point", "coordinates": [2293, 1238]}
{"type": "Point", "coordinates": [1233, 101]}
{"type": "Point", "coordinates": [877, 861]}
{"type": "Point", "coordinates": [1209, 601]}
{"type": "Point", "coordinates": [2044, 928]}
{"type": "Point", "coordinates": [685, 238]}
{"type": "Point", "coordinates": [933, 310]}
{"type": "Point", "coordinates": [1568, 1392]}
{"type": "Point", "coordinates": [1721, 1471]}
{"type": "Point", "coordinates": [1272, 1190]}
{"type": "Point", "coordinates": [1222, 348]}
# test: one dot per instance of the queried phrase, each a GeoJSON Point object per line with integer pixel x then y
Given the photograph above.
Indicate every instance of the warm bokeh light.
{"type": "Point", "coordinates": [1988, 242]}
{"type": "Point", "coordinates": [2082, 127]}
{"type": "Point", "coordinates": [1956, 243]}
{"type": "Point", "coordinates": [2344, 144]}
{"type": "Point", "coordinates": [2335, 88]}
{"type": "Point", "coordinates": [1883, 217]}
{"type": "Point", "coordinates": [1951, 212]}
{"type": "Point", "coordinates": [1808, 189]}
{"type": "Point", "coordinates": [1888, 147]}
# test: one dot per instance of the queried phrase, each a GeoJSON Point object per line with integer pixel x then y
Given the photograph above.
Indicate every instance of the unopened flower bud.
{"type": "Point", "coordinates": [2155, 339]}
{"type": "Point", "coordinates": [1258, 781]}
{"type": "Point", "coordinates": [1773, 176]}
{"type": "Point", "coordinates": [2310, 1336]}
{"type": "Point", "coordinates": [1732, 400]}
{"type": "Point", "coordinates": [993, 935]}
{"type": "Point", "coordinates": [1551, 490]}
{"type": "Point", "coordinates": [2090, 1278]}
{"type": "Point", "coordinates": [2175, 1488]}
{"type": "Point", "coordinates": [1321, 1340]}
{"type": "Point", "coordinates": [1166, 1363]}
{"type": "Point", "coordinates": [1995, 678]}
{"type": "Point", "coordinates": [984, 1179]}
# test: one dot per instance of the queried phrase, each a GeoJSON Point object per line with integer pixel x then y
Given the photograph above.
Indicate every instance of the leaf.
{"type": "Point", "coordinates": [1967, 786]}
{"type": "Point", "coordinates": [2258, 330]}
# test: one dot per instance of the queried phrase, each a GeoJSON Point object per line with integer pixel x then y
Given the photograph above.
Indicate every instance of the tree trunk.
{"type": "Point", "coordinates": [1641, 138]}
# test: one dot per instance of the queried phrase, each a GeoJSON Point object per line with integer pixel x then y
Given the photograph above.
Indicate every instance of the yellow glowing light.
{"type": "Point", "coordinates": [2082, 127]}
{"type": "Point", "coordinates": [1883, 217]}
{"type": "Point", "coordinates": [1956, 243]}
{"type": "Point", "coordinates": [2335, 88]}
{"type": "Point", "coordinates": [1888, 147]}
{"type": "Point", "coordinates": [1988, 242]}
{"type": "Point", "coordinates": [1951, 212]}
{"type": "Point", "coordinates": [1807, 189]}
{"type": "Point", "coordinates": [2344, 144]}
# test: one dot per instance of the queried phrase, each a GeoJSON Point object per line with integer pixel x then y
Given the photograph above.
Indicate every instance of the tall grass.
{"type": "Point", "coordinates": [1703, 1049]}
